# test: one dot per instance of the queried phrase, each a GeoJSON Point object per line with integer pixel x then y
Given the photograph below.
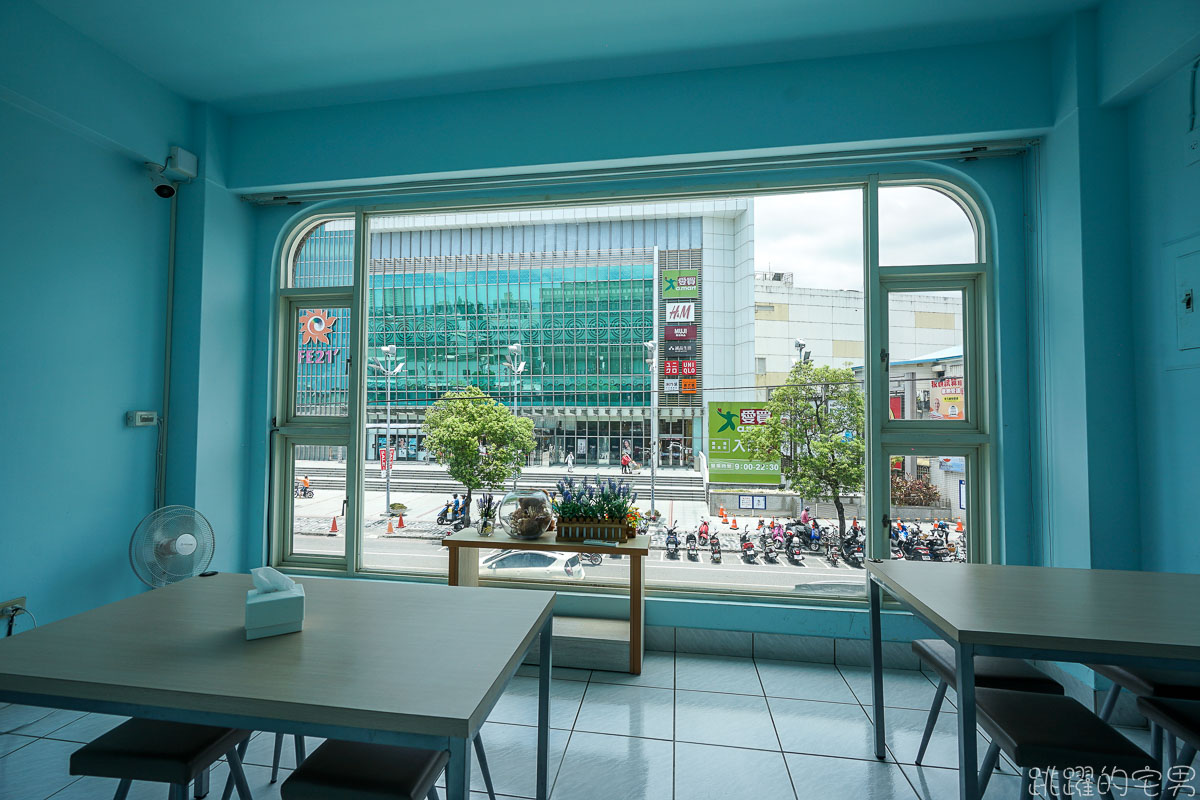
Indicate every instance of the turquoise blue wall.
{"type": "Point", "coordinates": [1086, 448]}
{"type": "Point", "coordinates": [1164, 200]}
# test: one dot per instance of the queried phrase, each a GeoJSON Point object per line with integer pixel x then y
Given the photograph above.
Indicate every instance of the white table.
{"type": "Point", "coordinates": [1082, 615]}
{"type": "Point", "coordinates": [417, 665]}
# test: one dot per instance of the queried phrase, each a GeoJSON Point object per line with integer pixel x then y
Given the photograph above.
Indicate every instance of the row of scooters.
{"type": "Point", "coordinates": [940, 542]}
{"type": "Point", "coordinates": [792, 540]}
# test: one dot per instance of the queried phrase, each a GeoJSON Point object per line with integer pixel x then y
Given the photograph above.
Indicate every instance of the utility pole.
{"type": "Point", "coordinates": [389, 352]}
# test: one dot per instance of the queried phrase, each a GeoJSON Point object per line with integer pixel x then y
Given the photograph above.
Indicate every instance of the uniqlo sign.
{"type": "Point", "coordinates": [688, 367]}
{"type": "Point", "coordinates": [679, 333]}
{"type": "Point", "coordinates": [671, 368]}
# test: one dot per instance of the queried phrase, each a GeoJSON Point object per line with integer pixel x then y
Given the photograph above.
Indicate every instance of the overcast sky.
{"type": "Point", "coordinates": [818, 235]}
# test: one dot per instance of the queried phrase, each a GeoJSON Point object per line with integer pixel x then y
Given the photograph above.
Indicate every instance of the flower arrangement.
{"type": "Point", "coordinates": [609, 503]}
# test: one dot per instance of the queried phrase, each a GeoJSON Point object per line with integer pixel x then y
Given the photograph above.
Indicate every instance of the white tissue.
{"type": "Point", "coordinates": [269, 579]}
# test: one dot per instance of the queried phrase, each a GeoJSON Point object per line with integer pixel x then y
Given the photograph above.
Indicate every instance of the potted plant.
{"type": "Point", "coordinates": [600, 510]}
{"type": "Point", "coordinates": [397, 509]}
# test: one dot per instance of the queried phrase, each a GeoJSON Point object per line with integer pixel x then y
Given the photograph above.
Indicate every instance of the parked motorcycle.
{"type": "Point", "coordinates": [749, 554]}
{"type": "Point", "coordinates": [852, 547]}
{"type": "Point", "coordinates": [714, 549]}
{"type": "Point", "coordinates": [692, 548]}
{"type": "Point", "coordinates": [770, 553]}
{"type": "Point", "coordinates": [795, 552]}
{"type": "Point", "coordinates": [672, 542]}
{"type": "Point", "coordinates": [702, 530]}
{"type": "Point", "coordinates": [591, 559]}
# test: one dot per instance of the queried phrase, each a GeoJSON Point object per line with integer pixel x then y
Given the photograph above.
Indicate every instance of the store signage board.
{"type": "Point", "coordinates": [680, 313]}
{"type": "Point", "coordinates": [671, 385]}
{"type": "Point", "coordinates": [688, 386]}
{"type": "Point", "coordinates": [681, 349]}
{"type": "Point", "coordinates": [680, 333]}
{"type": "Point", "coordinates": [729, 461]}
{"type": "Point", "coordinates": [681, 284]}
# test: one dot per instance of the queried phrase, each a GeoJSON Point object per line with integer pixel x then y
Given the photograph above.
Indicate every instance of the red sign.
{"type": "Point", "coordinates": [385, 459]}
{"type": "Point", "coordinates": [679, 333]}
{"type": "Point", "coordinates": [688, 386]}
{"type": "Point", "coordinates": [754, 416]}
{"type": "Point", "coordinates": [670, 368]}
{"type": "Point", "coordinates": [689, 367]}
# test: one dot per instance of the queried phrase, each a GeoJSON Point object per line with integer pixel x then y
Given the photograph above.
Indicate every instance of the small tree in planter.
{"type": "Point", "coordinates": [481, 442]}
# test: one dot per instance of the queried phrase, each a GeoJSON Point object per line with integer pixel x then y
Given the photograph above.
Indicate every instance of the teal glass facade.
{"type": "Point", "coordinates": [580, 327]}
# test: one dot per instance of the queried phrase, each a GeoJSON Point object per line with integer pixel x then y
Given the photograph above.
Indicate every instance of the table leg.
{"type": "Point", "coordinates": [458, 771]}
{"type": "Point", "coordinates": [543, 746]}
{"type": "Point", "coordinates": [637, 613]}
{"type": "Point", "coordinates": [968, 739]}
{"type": "Point", "coordinates": [464, 566]}
{"type": "Point", "coordinates": [874, 595]}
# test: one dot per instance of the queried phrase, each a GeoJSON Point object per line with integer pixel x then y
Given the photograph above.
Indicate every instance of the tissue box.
{"type": "Point", "coordinates": [273, 613]}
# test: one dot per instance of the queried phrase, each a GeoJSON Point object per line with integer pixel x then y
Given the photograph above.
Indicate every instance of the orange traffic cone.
{"type": "Point", "coordinates": [390, 528]}
{"type": "Point", "coordinates": [400, 524]}
{"type": "Point", "coordinates": [959, 529]}
{"type": "Point", "coordinates": [333, 526]}
{"type": "Point", "coordinates": [721, 513]}
{"type": "Point", "coordinates": [733, 525]}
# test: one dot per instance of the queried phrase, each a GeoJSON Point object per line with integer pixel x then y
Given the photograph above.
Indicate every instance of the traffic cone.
{"type": "Point", "coordinates": [733, 525]}
{"type": "Point", "coordinates": [390, 528]}
{"type": "Point", "coordinates": [959, 529]}
{"type": "Point", "coordinates": [333, 526]}
{"type": "Point", "coordinates": [400, 524]}
{"type": "Point", "coordinates": [721, 513]}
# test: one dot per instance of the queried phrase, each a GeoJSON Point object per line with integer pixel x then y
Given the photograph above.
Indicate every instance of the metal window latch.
{"type": "Point", "coordinates": [887, 521]}
{"type": "Point", "coordinates": [1188, 302]}
{"type": "Point", "coordinates": [884, 357]}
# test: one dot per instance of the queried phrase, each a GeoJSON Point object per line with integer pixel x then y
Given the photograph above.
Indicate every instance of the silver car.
{"type": "Point", "coordinates": [532, 564]}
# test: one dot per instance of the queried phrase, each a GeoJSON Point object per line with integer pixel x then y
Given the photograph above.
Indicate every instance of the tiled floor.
{"type": "Point", "coordinates": [690, 727]}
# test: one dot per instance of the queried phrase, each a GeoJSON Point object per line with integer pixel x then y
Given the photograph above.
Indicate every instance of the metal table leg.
{"type": "Point", "coordinates": [458, 771]}
{"type": "Point", "coordinates": [543, 746]}
{"type": "Point", "coordinates": [968, 742]}
{"type": "Point", "coordinates": [874, 595]}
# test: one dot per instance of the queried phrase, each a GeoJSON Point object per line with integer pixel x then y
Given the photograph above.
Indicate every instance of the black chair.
{"type": "Point", "coordinates": [163, 752]}
{"type": "Point", "coordinates": [1176, 719]}
{"type": "Point", "coordinates": [1147, 683]}
{"type": "Point", "coordinates": [990, 673]}
{"type": "Point", "coordinates": [355, 771]}
{"type": "Point", "coordinates": [1052, 733]}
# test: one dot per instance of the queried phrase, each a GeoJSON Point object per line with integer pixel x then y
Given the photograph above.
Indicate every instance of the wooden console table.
{"type": "Point", "coordinates": [464, 571]}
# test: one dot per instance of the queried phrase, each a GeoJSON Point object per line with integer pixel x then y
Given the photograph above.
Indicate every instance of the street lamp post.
{"type": "Point", "coordinates": [389, 351]}
{"type": "Point", "coordinates": [652, 361]}
{"type": "Point", "coordinates": [514, 352]}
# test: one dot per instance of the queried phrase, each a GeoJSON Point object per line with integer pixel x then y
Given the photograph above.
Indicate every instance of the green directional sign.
{"type": "Point", "coordinates": [728, 459]}
{"type": "Point", "coordinates": [681, 284]}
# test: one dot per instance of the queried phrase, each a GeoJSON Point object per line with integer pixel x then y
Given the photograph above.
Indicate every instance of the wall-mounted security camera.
{"type": "Point", "coordinates": [162, 186]}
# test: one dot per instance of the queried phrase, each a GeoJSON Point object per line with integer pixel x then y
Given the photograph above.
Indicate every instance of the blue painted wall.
{"type": "Point", "coordinates": [1164, 201]}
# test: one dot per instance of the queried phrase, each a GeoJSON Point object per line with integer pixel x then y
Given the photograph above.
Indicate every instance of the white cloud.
{"type": "Point", "coordinates": [818, 235]}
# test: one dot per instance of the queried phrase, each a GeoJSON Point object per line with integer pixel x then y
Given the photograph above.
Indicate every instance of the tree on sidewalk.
{"type": "Point", "coordinates": [481, 442]}
{"type": "Point", "coordinates": [815, 429]}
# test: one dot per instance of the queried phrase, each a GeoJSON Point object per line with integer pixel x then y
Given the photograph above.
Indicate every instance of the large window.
{"type": "Point", "coordinates": [639, 330]}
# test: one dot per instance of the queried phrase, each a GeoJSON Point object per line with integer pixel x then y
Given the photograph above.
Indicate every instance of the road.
{"type": "Point", "coordinates": [315, 515]}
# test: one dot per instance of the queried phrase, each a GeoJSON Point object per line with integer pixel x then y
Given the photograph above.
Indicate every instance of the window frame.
{"type": "Point", "coordinates": [972, 439]}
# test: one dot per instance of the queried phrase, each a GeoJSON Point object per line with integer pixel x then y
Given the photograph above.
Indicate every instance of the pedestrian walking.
{"type": "Point", "coordinates": [625, 461]}
{"type": "Point", "coordinates": [570, 462]}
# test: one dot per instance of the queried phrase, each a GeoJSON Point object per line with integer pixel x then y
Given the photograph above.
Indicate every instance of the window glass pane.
{"type": "Point", "coordinates": [928, 507]}
{"type": "Point", "coordinates": [318, 508]}
{"type": "Point", "coordinates": [919, 225]}
{"type": "Point", "coordinates": [325, 256]}
{"type": "Point", "coordinates": [925, 339]}
{"type": "Point", "coordinates": [322, 347]}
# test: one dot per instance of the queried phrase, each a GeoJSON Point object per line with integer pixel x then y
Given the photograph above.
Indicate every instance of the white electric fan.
{"type": "Point", "coordinates": [170, 544]}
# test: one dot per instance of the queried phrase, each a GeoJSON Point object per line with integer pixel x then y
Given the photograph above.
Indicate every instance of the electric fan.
{"type": "Point", "coordinates": [170, 544]}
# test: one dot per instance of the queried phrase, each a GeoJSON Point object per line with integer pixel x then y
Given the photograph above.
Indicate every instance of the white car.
{"type": "Point", "coordinates": [532, 564]}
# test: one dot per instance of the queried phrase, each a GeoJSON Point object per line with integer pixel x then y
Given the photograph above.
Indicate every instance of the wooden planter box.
{"type": "Point", "coordinates": [577, 530]}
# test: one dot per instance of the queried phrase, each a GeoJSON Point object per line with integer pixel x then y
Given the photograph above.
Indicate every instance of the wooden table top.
{"type": "Point", "coordinates": [1116, 612]}
{"type": "Point", "coordinates": [469, 537]}
{"type": "Point", "coordinates": [374, 655]}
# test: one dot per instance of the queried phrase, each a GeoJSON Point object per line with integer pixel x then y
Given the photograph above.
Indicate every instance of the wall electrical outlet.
{"type": "Point", "coordinates": [1192, 148]}
{"type": "Point", "coordinates": [7, 606]}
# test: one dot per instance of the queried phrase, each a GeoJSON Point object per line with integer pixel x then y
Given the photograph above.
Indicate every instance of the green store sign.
{"type": "Point", "coordinates": [681, 284]}
{"type": "Point", "coordinates": [728, 459]}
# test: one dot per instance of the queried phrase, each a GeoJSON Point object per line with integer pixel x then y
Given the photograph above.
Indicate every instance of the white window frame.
{"type": "Point", "coordinates": [972, 439]}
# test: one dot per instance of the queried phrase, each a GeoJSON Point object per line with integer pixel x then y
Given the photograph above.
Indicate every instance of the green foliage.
{"type": "Point", "coordinates": [816, 431]}
{"type": "Point", "coordinates": [908, 491]}
{"type": "Point", "coordinates": [603, 500]}
{"type": "Point", "coordinates": [481, 442]}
